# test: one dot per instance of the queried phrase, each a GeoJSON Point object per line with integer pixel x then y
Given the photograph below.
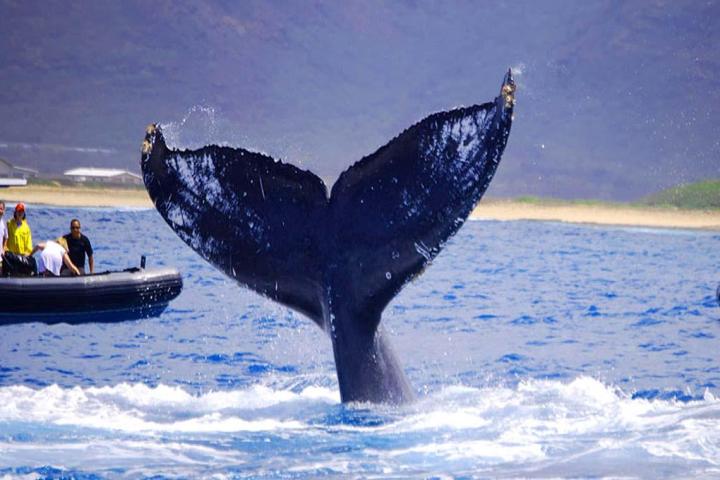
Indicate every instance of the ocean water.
{"type": "Point", "coordinates": [536, 349]}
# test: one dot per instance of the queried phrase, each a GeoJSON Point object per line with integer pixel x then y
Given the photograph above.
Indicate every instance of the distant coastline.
{"type": "Point", "coordinates": [77, 196]}
{"type": "Point", "coordinates": [492, 209]}
{"type": "Point", "coordinates": [598, 213]}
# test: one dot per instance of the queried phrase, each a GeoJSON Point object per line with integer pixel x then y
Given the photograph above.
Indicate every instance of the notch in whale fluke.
{"type": "Point", "coordinates": [338, 259]}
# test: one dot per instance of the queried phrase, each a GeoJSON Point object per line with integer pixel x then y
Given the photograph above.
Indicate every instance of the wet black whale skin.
{"type": "Point", "coordinates": [340, 258]}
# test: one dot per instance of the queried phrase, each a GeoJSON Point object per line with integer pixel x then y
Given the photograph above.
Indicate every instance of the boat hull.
{"type": "Point", "coordinates": [133, 293]}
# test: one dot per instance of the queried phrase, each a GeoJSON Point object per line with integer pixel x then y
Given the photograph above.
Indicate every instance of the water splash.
{"type": "Point", "coordinates": [197, 128]}
{"type": "Point", "coordinates": [538, 428]}
{"type": "Point", "coordinates": [204, 125]}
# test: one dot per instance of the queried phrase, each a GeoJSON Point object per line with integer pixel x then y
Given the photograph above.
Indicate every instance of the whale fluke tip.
{"type": "Point", "coordinates": [148, 141]}
{"type": "Point", "coordinates": [508, 89]}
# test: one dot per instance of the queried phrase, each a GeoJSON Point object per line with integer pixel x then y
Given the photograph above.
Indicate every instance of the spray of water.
{"type": "Point", "coordinates": [198, 127]}
{"type": "Point", "coordinates": [203, 125]}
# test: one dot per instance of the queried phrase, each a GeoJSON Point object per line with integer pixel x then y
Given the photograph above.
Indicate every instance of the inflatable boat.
{"type": "Point", "coordinates": [107, 296]}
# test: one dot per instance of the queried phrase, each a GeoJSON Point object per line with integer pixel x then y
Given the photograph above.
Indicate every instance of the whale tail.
{"type": "Point", "coordinates": [339, 258]}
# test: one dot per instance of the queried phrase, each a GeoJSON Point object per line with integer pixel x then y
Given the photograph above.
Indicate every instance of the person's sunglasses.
{"type": "Point", "coordinates": [74, 228]}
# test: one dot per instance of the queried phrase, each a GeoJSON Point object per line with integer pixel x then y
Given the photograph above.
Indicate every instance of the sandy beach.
{"type": "Point", "coordinates": [77, 196]}
{"type": "Point", "coordinates": [602, 214]}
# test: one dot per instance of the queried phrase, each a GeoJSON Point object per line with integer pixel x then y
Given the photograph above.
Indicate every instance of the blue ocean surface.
{"type": "Point", "coordinates": [537, 350]}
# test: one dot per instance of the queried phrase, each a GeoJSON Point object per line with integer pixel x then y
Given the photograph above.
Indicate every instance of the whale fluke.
{"type": "Point", "coordinates": [337, 259]}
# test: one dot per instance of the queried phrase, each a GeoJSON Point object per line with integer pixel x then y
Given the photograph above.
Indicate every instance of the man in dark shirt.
{"type": "Point", "coordinates": [78, 246]}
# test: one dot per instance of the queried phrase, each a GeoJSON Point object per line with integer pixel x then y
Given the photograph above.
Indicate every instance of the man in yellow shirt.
{"type": "Point", "coordinates": [19, 235]}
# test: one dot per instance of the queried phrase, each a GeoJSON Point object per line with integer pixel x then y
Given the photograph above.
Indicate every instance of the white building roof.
{"type": "Point", "coordinates": [12, 182]}
{"type": "Point", "coordinates": [99, 172]}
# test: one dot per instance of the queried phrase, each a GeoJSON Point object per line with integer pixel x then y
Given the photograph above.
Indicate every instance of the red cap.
{"type": "Point", "coordinates": [20, 207]}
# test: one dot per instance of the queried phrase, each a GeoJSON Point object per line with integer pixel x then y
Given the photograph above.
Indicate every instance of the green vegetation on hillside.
{"type": "Point", "coordinates": [700, 195]}
{"type": "Point", "coordinates": [703, 195]}
{"type": "Point", "coordinates": [43, 182]}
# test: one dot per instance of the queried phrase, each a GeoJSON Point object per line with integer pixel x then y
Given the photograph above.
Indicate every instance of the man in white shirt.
{"type": "Point", "coordinates": [3, 228]}
{"type": "Point", "coordinates": [51, 258]}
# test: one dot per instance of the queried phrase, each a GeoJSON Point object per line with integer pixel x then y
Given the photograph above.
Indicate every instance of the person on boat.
{"type": "Point", "coordinates": [3, 234]}
{"type": "Point", "coordinates": [3, 228]}
{"type": "Point", "coordinates": [16, 257]}
{"type": "Point", "coordinates": [78, 246]}
{"type": "Point", "coordinates": [53, 255]}
{"type": "Point", "coordinates": [19, 235]}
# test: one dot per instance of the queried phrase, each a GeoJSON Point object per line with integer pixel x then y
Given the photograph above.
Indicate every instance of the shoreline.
{"type": "Point", "coordinates": [598, 214]}
{"type": "Point", "coordinates": [76, 196]}
{"type": "Point", "coordinates": [488, 209]}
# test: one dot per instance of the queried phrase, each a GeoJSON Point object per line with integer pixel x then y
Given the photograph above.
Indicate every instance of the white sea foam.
{"type": "Point", "coordinates": [141, 409]}
{"type": "Point", "coordinates": [135, 457]}
{"type": "Point", "coordinates": [541, 428]}
{"type": "Point", "coordinates": [555, 421]}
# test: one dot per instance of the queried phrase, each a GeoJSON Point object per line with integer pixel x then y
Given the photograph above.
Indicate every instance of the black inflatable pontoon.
{"type": "Point", "coordinates": [109, 296]}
